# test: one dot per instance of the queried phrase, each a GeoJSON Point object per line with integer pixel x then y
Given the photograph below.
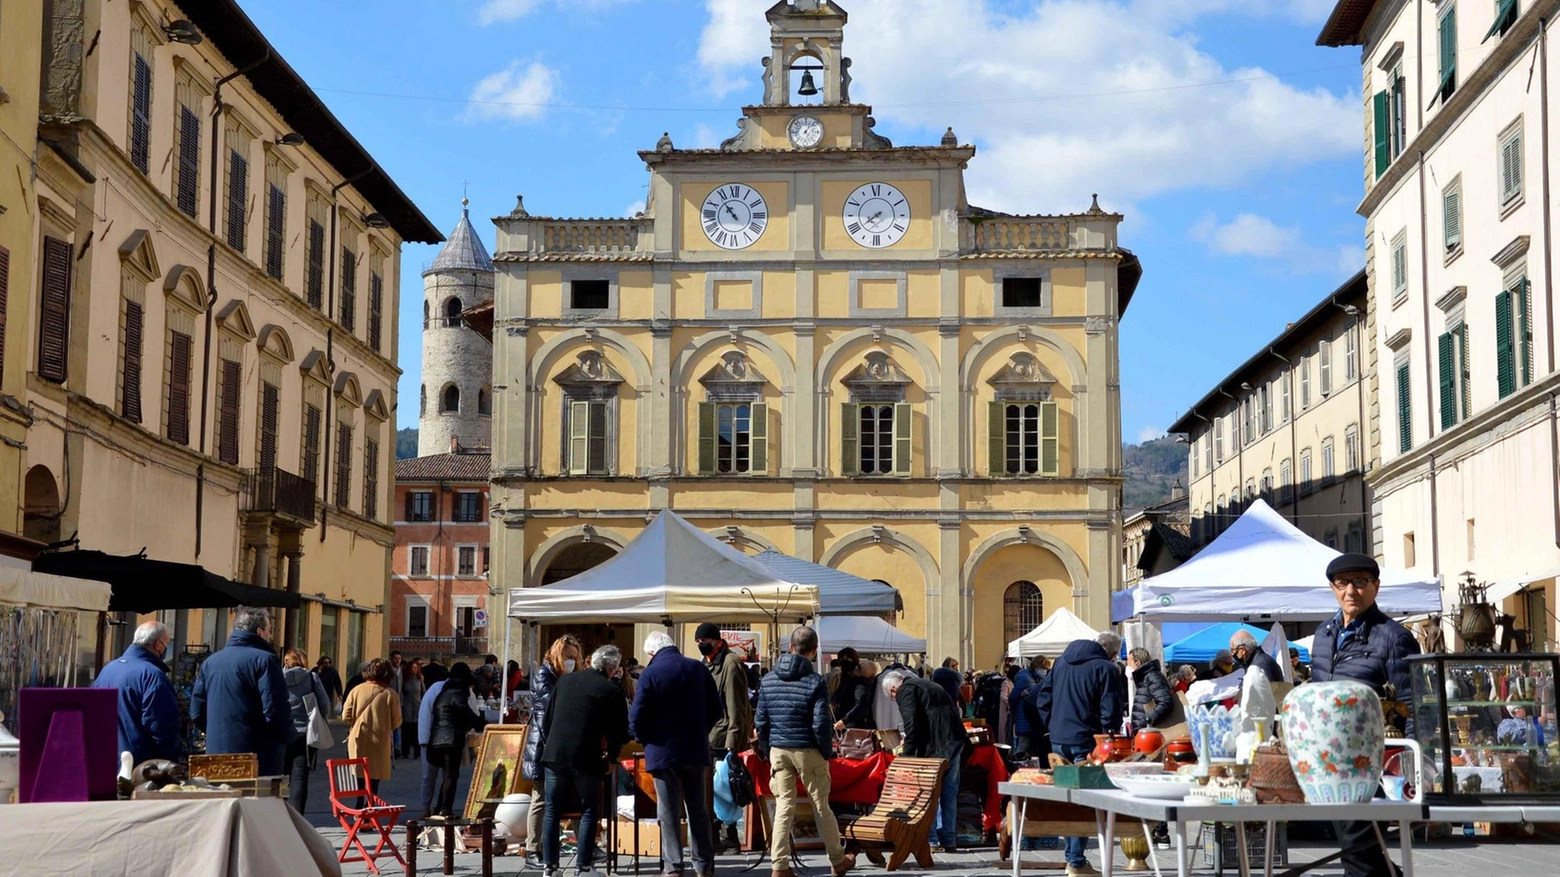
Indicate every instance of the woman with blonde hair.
{"type": "Point", "coordinates": [564, 656]}
{"type": "Point", "coordinates": [298, 758]}
{"type": "Point", "coordinates": [372, 713]}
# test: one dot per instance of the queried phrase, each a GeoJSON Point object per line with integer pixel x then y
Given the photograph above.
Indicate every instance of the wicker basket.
{"type": "Point", "coordinates": [1272, 779]}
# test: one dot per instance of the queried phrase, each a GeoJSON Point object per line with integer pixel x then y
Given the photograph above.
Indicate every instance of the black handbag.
{"type": "Point", "coordinates": [743, 791]}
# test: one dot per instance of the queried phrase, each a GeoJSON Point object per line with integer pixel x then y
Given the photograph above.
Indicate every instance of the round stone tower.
{"type": "Point", "coordinates": [456, 403]}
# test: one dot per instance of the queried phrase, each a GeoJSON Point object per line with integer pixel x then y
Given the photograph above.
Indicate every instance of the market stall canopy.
{"type": "Point", "coordinates": [1053, 636]}
{"type": "Point", "coordinates": [1200, 647]}
{"type": "Point", "coordinates": [839, 593]}
{"type": "Point", "coordinates": [21, 587]}
{"type": "Point", "coordinates": [141, 584]}
{"type": "Point", "coordinates": [865, 634]}
{"type": "Point", "coordinates": [673, 571]}
{"type": "Point", "coordinates": [1263, 568]}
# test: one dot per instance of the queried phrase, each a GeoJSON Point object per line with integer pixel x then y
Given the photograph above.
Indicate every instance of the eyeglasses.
{"type": "Point", "coordinates": [1360, 584]}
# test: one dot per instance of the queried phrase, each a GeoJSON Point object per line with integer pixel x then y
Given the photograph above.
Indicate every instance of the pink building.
{"type": "Point", "coordinates": [438, 582]}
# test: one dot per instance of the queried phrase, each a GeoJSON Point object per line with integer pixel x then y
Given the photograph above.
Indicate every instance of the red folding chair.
{"type": "Point", "coordinates": [349, 782]}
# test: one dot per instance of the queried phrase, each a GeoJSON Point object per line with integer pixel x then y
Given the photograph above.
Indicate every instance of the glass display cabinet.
{"type": "Point", "coordinates": [1486, 722]}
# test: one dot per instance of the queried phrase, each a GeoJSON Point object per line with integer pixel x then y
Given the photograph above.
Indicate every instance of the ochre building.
{"type": "Point", "coordinates": [810, 340]}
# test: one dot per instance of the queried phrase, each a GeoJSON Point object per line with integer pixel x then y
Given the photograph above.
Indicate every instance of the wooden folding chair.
{"type": "Point", "coordinates": [349, 782]}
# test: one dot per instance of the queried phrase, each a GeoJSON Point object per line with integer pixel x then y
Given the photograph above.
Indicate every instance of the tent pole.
{"type": "Point", "coordinates": [503, 683]}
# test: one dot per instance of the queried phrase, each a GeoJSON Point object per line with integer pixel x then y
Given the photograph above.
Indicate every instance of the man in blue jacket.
{"type": "Point", "coordinates": [1026, 679]}
{"type": "Point", "coordinates": [240, 696]}
{"type": "Point", "coordinates": [1083, 695]}
{"type": "Point", "coordinates": [796, 735]}
{"type": "Point", "coordinates": [148, 710]}
{"type": "Point", "coordinates": [675, 706]}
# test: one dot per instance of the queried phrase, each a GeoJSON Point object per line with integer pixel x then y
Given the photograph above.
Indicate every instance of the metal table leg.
{"type": "Point", "coordinates": [1107, 843]}
{"type": "Point", "coordinates": [1244, 854]}
{"type": "Point", "coordinates": [1016, 829]}
{"type": "Point", "coordinates": [1267, 868]}
{"type": "Point", "coordinates": [1177, 831]}
{"type": "Point", "coordinates": [1406, 840]}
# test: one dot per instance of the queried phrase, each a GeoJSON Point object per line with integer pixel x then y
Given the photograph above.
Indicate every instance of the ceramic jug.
{"type": "Point", "coordinates": [1333, 731]}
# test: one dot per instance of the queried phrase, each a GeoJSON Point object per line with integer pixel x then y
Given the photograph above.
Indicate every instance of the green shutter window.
{"type": "Point", "coordinates": [1511, 168]}
{"type": "Point", "coordinates": [706, 438]}
{"type": "Point", "coordinates": [1448, 54]}
{"type": "Point", "coordinates": [1464, 379]}
{"type": "Point", "coordinates": [1405, 411]}
{"type": "Point", "coordinates": [902, 424]}
{"type": "Point", "coordinates": [996, 432]}
{"type": "Point", "coordinates": [1451, 217]}
{"type": "Point", "coordinates": [850, 446]}
{"type": "Point", "coordinates": [1505, 346]}
{"type": "Point", "coordinates": [1524, 346]}
{"type": "Point", "coordinates": [758, 440]}
{"type": "Point", "coordinates": [579, 437]}
{"type": "Point", "coordinates": [1505, 17]}
{"type": "Point", "coordinates": [1050, 439]}
{"type": "Point", "coordinates": [1448, 367]}
{"type": "Point", "coordinates": [1383, 132]}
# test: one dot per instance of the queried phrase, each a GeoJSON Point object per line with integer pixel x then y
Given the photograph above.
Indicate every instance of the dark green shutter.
{"type": "Point", "coordinates": [1505, 348]}
{"type": "Point", "coordinates": [1448, 34]}
{"type": "Point", "coordinates": [1405, 411]}
{"type": "Point", "coordinates": [1383, 132]}
{"type": "Point", "coordinates": [1505, 17]}
{"type": "Point", "coordinates": [1448, 368]}
{"type": "Point", "coordinates": [996, 432]}
{"type": "Point", "coordinates": [902, 432]}
{"type": "Point", "coordinates": [758, 439]}
{"type": "Point", "coordinates": [850, 449]}
{"type": "Point", "coordinates": [1524, 345]}
{"type": "Point", "coordinates": [706, 437]}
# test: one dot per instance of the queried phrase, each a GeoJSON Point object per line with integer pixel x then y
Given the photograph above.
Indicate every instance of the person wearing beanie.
{"type": "Point", "coordinates": [1362, 644]}
{"type": "Point", "coordinates": [732, 733]}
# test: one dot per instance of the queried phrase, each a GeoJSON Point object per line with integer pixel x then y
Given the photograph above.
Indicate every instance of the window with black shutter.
{"type": "Point", "coordinates": [348, 316]}
{"type": "Point", "coordinates": [227, 416]}
{"type": "Point", "coordinates": [376, 305]}
{"type": "Point", "coordinates": [314, 283]}
{"type": "Point", "coordinates": [270, 402]}
{"type": "Point", "coordinates": [275, 226]}
{"type": "Point", "coordinates": [343, 465]}
{"type": "Point", "coordinates": [5, 303]}
{"type": "Point", "coordinates": [238, 195]}
{"type": "Point", "coordinates": [179, 361]}
{"type": "Point", "coordinates": [188, 183]}
{"type": "Point", "coordinates": [312, 424]}
{"type": "Point", "coordinates": [141, 113]}
{"type": "Point", "coordinates": [371, 479]}
{"type": "Point", "coordinates": [54, 311]}
{"type": "Point", "coordinates": [419, 506]}
{"type": "Point", "coordinates": [130, 379]}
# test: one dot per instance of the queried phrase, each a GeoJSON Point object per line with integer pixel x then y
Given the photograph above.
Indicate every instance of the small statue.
{"type": "Point", "coordinates": [665, 143]}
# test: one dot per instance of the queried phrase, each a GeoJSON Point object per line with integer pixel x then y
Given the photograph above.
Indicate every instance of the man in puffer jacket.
{"type": "Point", "coordinates": [796, 735]}
{"type": "Point", "coordinates": [1026, 679]}
{"type": "Point", "coordinates": [1153, 697]}
{"type": "Point", "coordinates": [1083, 695]}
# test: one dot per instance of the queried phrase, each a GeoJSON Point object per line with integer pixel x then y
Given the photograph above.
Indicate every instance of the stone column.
{"type": "Point", "coordinates": [291, 549]}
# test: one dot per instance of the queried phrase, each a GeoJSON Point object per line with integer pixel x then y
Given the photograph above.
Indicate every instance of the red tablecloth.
{"type": "Point", "coordinates": [860, 781]}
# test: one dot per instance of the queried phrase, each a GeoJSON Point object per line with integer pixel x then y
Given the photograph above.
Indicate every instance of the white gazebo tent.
{"type": "Point", "coordinates": [865, 634]}
{"type": "Point", "coordinates": [1052, 637]}
{"type": "Point", "coordinates": [1263, 569]}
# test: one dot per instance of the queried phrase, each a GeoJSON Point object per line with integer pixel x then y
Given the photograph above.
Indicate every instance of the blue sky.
{"type": "Point", "coordinates": [1230, 141]}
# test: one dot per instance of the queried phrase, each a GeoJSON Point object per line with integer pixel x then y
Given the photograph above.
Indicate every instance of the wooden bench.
{"type": "Point", "coordinates": [903, 816]}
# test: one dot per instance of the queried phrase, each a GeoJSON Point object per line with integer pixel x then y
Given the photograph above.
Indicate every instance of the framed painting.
{"type": "Point", "coordinates": [496, 772]}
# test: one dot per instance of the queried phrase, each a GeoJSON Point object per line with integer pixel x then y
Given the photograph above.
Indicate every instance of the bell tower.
{"type": "Point", "coordinates": [805, 39]}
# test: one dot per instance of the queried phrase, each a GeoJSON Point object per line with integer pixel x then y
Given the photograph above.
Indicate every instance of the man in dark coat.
{"type": "Point", "coordinates": [240, 695]}
{"type": "Point", "coordinates": [1152, 696]}
{"type": "Point", "coordinates": [326, 670]}
{"type": "Point", "coordinates": [1083, 695]}
{"type": "Point", "coordinates": [933, 729]}
{"type": "Point", "coordinates": [949, 678]}
{"type": "Point", "coordinates": [148, 709]}
{"type": "Point", "coordinates": [735, 729]}
{"type": "Point", "coordinates": [1244, 649]}
{"type": "Point", "coordinates": [1026, 679]}
{"type": "Point", "coordinates": [796, 735]}
{"type": "Point", "coordinates": [591, 718]}
{"type": "Point", "coordinates": [675, 706]}
{"type": "Point", "coordinates": [1361, 643]}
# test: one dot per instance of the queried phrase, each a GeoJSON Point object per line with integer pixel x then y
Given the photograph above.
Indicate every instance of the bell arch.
{"type": "Point", "coordinates": [554, 545]}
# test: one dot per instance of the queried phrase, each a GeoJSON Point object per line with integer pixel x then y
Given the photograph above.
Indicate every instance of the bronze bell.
{"type": "Point", "coordinates": [808, 87]}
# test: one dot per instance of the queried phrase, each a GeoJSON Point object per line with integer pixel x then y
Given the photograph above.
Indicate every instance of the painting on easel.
{"type": "Point", "coordinates": [497, 769]}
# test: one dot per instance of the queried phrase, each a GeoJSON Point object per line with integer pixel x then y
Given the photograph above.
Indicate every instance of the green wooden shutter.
{"type": "Point", "coordinates": [1383, 132]}
{"type": "Point", "coordinates": [1524, 345]}
{"type": "Point", "coordinates": [706, 437]}
{"type": "Point", "coordinates": [1448, 368]}
{"type": "Point", "coordinates": [579, 438]}
{"type": "Point", "coordinates": [1451, 218]}
{"type": "Point", "coordinates": [996, 432]}
{"type": "Point", "coordinates": [902, 433]}
{"type": "Point", "coordinates": [1448, 52]}
{"type": "Point", "coordinates": [850, 446]}
{"type": "Point", "coordinates": [1505, 347]}
{"type": "Point", "coordinates": [1050, 439]}
{"type": "Point", "coordinates": [758, 439]}
{"type": "Point", "coordinates": [1405, 411]}
{"type": "Point", "coordinates": [1505, 17]}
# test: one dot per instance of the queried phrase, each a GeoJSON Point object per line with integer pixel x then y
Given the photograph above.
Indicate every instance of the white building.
{"type": "Point", "coordinates": [455, 406]}
{"type": "Point", "coordinates": [1461, 357]}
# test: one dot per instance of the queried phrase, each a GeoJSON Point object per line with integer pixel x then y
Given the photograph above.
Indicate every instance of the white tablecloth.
{"type": "Point", "coordinates": [228, 837]}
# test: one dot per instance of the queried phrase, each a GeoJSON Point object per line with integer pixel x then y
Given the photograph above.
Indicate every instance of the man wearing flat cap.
{"type": "Point", "coordinates": [1362, 644]}
{"type": "Point", "coordinates": [734, 730]}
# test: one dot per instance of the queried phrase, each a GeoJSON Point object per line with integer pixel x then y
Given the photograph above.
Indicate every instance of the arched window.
{"type": "Point", "coordinates": [425, 314]}
{"type": "Point", "coordinates": [484, 401]}
{"type": "Point", "coordinates": [1022, 610]}
{"type": "Point", "coordinates": [450, 404]}
{"type": "Point", "coordinates": [452, 312]}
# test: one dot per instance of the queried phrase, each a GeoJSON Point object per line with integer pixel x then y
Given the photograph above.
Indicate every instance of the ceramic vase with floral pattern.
{"type": "Point", "coordinates": [1333, 731]}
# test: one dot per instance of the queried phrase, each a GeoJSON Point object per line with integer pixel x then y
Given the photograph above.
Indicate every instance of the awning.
{"type": "Point", "coordinates": [144, 585]}
{"type": "Point", "coordinates": [23, 587]}
{"type": "Point", "coordinates": [1504, 588]}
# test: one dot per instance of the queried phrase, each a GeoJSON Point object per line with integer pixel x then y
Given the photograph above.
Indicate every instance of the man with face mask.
{"type": "Point", "coordinates": [148, 709]}
{"type": "Point", "coordinates": [1244, 648]}
{"type": "Point", "coordinates": [733, 732]}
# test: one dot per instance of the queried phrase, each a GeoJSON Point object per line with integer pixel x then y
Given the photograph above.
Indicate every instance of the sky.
{"type": "Point", "coordinates": [1230, 141]}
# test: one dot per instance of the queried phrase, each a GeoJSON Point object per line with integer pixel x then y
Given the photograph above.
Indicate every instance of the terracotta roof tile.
{"type": "Point", "coordinates": [445, 467]}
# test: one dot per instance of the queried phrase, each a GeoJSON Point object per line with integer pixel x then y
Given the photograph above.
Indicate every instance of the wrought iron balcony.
{"type": "Point", "coordinates": [471, 645]}
{"type": "Point", "coordinates": [279, 492]}
{"type": "Point", "coordinates": [428, 647]}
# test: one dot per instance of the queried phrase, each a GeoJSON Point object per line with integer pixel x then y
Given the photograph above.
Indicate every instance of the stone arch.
{"type": "Point", "coordinates": [184, 283]}
{"type": "Point", "coordinates": [831, 360]}
{"type": "Point", "coordinates": [879, 535]}
{"type": "Point", "coordinates": [273, 340]}
{"type": "Point", "coordinates": [554, 545]}
{"type": "Point", "coordinates": [1076, 570]}
{"type": "Point", "coordinates": [743, 537]}
{"type": "Point", "coordinates": [547, 357]}
{"type": "Point", "coordinates": [449, 399]}
{"type": "Point", "coordinates": [485, 400]}
{"type": "Point", "coordinates": [41, 505]}
{"type": "Point", "coordinates": [681, 377]}
{"type": "Point", "coordinates": [1002, 340]}
{"type": "Point", "coordinates": [452, 309]}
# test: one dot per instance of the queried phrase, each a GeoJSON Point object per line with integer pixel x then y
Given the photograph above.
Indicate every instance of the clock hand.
{"type": "Point", "coordinates": [730, 211]}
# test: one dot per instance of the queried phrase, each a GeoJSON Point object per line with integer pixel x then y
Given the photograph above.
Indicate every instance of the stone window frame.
{"type": "Point", "coordinates": [182, 309]}
{"type": "Point", "coordinates": [756, 278]}
{"type": "Point", "coordinates": [853, 297]}
{"type": "Point", "coordinates": [411, 553]}
{"type": "Point", "coordinates": [572, 273]}
{"type": "Point", "coordinates": [1399, 271]}
{"type": "Point", "coordinates": [476, 560]}
{"type": "Point", "coordinates": [416, 601]}
{"type": "Point", "coordinates": [1001, 273]}
{"type": "Point", "coordinates": [1510, 201]}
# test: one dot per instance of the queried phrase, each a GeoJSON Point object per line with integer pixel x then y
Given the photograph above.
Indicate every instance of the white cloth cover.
{"type": "Point", "coordinates": [1262, 568]}
{"type": "Point", "coordinates": [1052, 637]}
{"type": "Point", "coordinates": [865, 634]}
{"type": "Point", "coordinates": [23, 587]}
{"type": "Point", "coordinates": [672, 570]}
{"type": "Point", "coordinates": [226, 837]}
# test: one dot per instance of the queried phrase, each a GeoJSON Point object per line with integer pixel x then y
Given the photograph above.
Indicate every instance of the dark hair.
{"type": "Point", "coordinates": [513, 666]}
{"type": "Point", "coordinates": [395, 652]}
{"type": "Point", "coordinates": [848, 655]}
{"type": "Point", "coordinates": [378, 670]}
{"type": "Point", "coordinates": [460, 675]}
{"type": "Point", "coordinates": [490, 659]}
{"type": "Point", "coordinates": [435, 673]}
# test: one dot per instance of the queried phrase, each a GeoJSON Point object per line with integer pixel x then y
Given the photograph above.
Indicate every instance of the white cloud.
{"type": "Point", "coordinates": [1068, 98]}
{"type": "Point", "coordinates": [1149, 433]}
{"type": "Point", "coordinates": [1258, 237]}
{"type": "Point", "coordinates": [519, 92]}
{"type": "Point", "coordinates": [634, 209]}
{"type": "Point", "coordinates": [705, 137]}
{"type": "Point", "coordinates": [498, 11]}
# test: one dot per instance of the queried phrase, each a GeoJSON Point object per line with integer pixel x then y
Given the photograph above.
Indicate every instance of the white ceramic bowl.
{"type": "Point", "coordinates": [1133, 769]}
{"type": "Point", "coordinates": [1165, 786]}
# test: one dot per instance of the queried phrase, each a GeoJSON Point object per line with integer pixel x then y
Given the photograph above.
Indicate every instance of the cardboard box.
{"type": "Point", "coordinates": [649, 837]}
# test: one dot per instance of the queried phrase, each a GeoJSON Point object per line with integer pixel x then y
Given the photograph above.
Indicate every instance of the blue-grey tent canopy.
{"type": "Point", "coordinates": [1200, 647]}
{"type": "Point", "coordinates": [839, 593]}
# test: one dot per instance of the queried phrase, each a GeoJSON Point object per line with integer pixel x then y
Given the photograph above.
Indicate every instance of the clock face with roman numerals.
{"type": "Point", "coordinates": [734, 216]}
{"type": "Point", "coordinates": [877, 215]}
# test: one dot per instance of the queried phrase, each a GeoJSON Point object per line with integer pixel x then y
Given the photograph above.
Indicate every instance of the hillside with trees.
{"type": "Point", "coordinates": [1151, 468]}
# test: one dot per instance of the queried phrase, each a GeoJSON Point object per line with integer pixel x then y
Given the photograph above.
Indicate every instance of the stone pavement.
{"type": "Point", "coordinates": [1455, 857]}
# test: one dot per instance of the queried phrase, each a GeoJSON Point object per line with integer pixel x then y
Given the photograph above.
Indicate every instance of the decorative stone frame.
{"type": "Point", "coordinates": [572, 273]}
{"type": "Point", "coordinates": [1002, 272]}
{"type": "Point", "coordinates": [590, 379]}
{"type": "Point", "coordinates": [853, 301]}
{"type": "Point", "coordinates": [756, 278]}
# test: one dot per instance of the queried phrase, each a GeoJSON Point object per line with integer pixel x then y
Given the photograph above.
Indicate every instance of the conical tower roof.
{"type": "Point", "coordinates": [464, 250]}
